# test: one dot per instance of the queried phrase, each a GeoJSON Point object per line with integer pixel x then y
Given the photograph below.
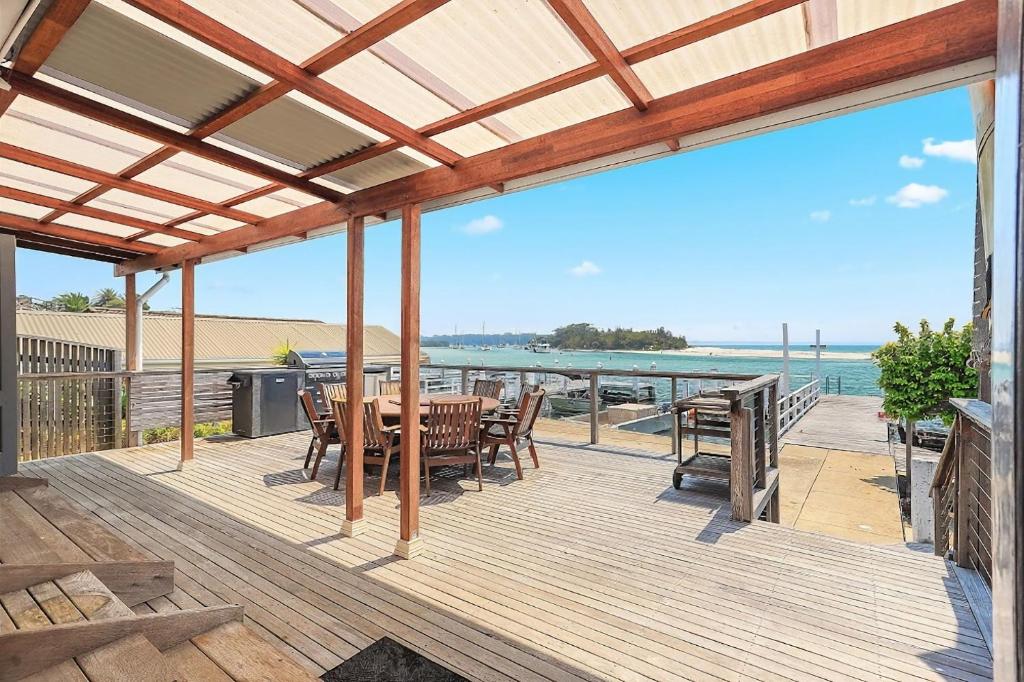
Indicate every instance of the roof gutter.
{"type": "Point", "coordinates": [140, 304]}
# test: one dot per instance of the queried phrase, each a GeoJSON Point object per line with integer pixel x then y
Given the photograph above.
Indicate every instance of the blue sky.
{"type": "Point", "coordinates": [845, 225]}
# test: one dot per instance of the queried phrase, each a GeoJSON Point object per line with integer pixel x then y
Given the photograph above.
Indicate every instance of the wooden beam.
{"type": "Point", "coordinates": [915, 46]}
{"type": "Point", "coordinates": [131, 324]}
{"type": "Point", "coordinates": [288, 224]}
{"type": "Point", "coordinates": [75, 103]}
{"type": "Point", "coordinates": [821, 22]}
{"type": "Point", "coordinates": [64, 247]}
{"type": "Point", "coordinates": [28, 651]}
{"type": "Point", "coordinates": [188, 359]}
{"type": "Point", "coordinates": [354, 378]}
{"type": "Point", "coordinates": [193, 22]}
{"type": "Point", "coordinates": [409, 541]}
{"type": "Point", "coordinates": [132, 581]}
{"type": "Point", "coordinates": [592, 36]}
{"type": "Point", "coordinates": [92, 212]}
{"type": "Point", "coordinates": [21, 224]}
{"type": "Point", "coordinates": [58, 18]}
{"type": "Point", "coordinates": [32, 158]}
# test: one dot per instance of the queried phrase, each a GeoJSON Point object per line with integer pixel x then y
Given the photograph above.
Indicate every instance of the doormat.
{"type": "Point", "coordinates": [388, 661]}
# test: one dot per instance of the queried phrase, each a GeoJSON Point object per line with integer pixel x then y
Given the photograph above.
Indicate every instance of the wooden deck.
{"type": "Point", "coordinates": [592, 568]}
{"type": "Point", "coordinates": [843, 422]}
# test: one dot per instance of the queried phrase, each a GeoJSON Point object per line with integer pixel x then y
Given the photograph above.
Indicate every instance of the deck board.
{"type": "Point", "coordinates": [592, 568]}
{"type": "Point", "coordinates": [843, 422]}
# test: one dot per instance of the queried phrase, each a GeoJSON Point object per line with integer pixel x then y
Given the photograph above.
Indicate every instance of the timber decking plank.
{"type": "Point", "coordinates": [589, 568]}
{"type": "Point", "coordinates": [27, 537]}
{"type": "Point", "coordinates": [92, 597]}
{"type": "Point", "coordinates": [244, 656]}
{"type": "Point", "coordinates": [130, 658]}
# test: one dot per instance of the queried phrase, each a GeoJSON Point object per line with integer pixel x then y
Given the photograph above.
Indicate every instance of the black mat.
{"type": "Point", "coordinates": [388, 661]}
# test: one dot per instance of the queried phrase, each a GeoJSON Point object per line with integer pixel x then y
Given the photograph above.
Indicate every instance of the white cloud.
{"type": "Point", "coordinates": [821, 216]}
{"type": "Point", "coordinates": [915, 195]}
{"type": "Point", "coordinates": [962, 150]}
{"type": "Point", "coordinates": [485, 225]}
{"type": "Point", "coordinates": [911, 161]}
{"type": "Point", "coordinates": [585, 269]}
{"type": "Point", "coordinates": [866, 201]}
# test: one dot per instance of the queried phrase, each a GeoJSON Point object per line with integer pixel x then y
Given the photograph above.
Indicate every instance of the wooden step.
{"type": "Point", "coordinates": [247, 657]}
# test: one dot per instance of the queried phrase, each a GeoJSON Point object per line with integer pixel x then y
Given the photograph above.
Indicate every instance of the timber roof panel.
{"type": "Point", "coordinates": [210, 115]}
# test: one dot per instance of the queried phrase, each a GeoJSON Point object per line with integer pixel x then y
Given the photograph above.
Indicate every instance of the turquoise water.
{"type": "Point", "coordinates": [859, 377]}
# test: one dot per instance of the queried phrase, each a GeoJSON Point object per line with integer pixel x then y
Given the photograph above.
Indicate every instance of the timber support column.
{"type": "Point", "coordinates": [131, 358]}
{"type": "Point", "coordinates": [354, 522]}
{"type": "Point", "coordinates": [409, 542]}
{"type": "Point", "coordinates": [188, 360]}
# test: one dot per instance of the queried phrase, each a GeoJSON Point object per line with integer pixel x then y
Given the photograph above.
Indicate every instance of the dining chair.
{"type": "Point", "coordinates": [389, 387]}
{"type": "Point", "coordinates": [452, 436]}
{"type": "Point", "coordinates": [325, 433]}
{"type": "Point", "coordinates": [331, 392]}
{"type": "Point", "coordinates": [380, 443]}
{"type": "Point", "coordinates": [488, 388]}
{"type": "Point", "coordinates": [511, 430]}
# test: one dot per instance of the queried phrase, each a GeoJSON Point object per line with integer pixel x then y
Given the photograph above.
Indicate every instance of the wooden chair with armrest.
{"type": "Point", "coordinates": [488, 388]}
{"type": "Point", "coordinates": [329, 393]}
{"type": "Point", "coordinates": [380, 443]}
{"type": "Point", "coordinates": [325, 434]}
{"type": "Point", "coordinates": [452, 436]}
{"type": "Point", "coordinates": [389, 387]}
{"type": "Point", "coordinates": [511, 430]}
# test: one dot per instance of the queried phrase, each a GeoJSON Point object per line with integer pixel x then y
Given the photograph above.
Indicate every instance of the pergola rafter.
{"type": "Point", "coordinates": [22, 224]}
{"type": "Point", "coordinates": [830, 71]}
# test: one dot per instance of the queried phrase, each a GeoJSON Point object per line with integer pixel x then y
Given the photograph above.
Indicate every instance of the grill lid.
{"type": "Point", "coordinates": [316, 358]}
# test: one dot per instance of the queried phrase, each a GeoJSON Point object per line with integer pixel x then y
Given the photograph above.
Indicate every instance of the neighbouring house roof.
{"type": "Point", "coordinates": [219, 340]}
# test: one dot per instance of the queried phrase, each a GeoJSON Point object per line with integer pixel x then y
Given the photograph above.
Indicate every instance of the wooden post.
{"type": "Point", "coordinates": [785, 361]}
{"type": "Point", "coordinates": [8, 360]}
{"type": "Point", "coordinates": [464, 378]}
{"type": "Point", "coordinates": [741, 474]}
{"type": "Point", "coordinates": [594, 431]}
{"type": "Point", "coordinates": [409, 542]}
{"type": "Point", "coordinates": [354, 522]}
{"type": "Point", "coordinates": [131, 359]}
{"type": "Point", "coordinates": [909, 450]}
{"type": "Point", "coordinates": [188, 359]}
{"type": "Point", "coordinates": [817, 354]}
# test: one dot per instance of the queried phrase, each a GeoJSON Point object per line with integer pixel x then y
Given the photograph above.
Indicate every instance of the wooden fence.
{"type": "Point", "coordinates": [38, 355]}
{"type": "Point", "coordinates": [962, 488]}
{"type": "Point", "coordinates": [155, 398]}
{"type": "Point", "coordinates": [68, 413]}
{"type": "Point", "coordinates": [795, 405]}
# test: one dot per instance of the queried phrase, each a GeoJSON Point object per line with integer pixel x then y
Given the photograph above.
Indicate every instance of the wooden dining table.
{"type": "Point", "coordinates": [391, 405]}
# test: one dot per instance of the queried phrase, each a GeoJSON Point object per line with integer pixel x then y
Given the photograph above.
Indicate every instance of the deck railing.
{"type": "Point", "coordinates": [961, 489]}
{"type": "Point", "coordinates": [795, 405]}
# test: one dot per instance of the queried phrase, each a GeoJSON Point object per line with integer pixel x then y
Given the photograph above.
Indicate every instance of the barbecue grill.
{"type": "Point", "coordinates": [328, 367]}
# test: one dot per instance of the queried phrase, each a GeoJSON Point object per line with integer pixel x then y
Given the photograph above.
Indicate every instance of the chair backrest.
{"type": "Point", "coordinates": [373, 425]}
{"type": "Point", "coordinates": [488, 388]}
{"type": "Point", "coordinates": [453, 424]}
{"type": "Point", "coordinates": [525, 389]}
{"type": "Point", "coordinates": [306, 398]}
{"type": "Point", "coordinates": [390, 387]}
{"type": "Point", "coordinates": [529, 409]}
{"type": "Point", "coordinates": [338, 409]}
{"type": "Point", "coordinates": [331, 392]}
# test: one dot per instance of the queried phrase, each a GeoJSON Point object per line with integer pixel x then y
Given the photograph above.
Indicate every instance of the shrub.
{"type": "Point", "coordinates": [172, 433]}
{"type": "Point", "coordinates": [921, 372]}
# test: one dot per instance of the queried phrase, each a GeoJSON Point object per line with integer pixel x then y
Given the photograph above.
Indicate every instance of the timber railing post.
{"type": "Point", "coordinates": [741, 462]}
{"type": "Point", "coordinates": [594, 434]}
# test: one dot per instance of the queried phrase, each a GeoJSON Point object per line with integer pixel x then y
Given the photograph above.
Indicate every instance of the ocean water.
{"type": "Point", "coordinates": [858, 377]}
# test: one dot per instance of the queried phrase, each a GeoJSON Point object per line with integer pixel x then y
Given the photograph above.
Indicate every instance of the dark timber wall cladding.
{"type": "Point", "coordinates": [8, 361]}
{"type": "Point", "coordinates": [156, 398]}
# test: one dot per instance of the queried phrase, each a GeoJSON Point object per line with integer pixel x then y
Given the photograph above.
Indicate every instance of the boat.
{"type": "Point", "coordinates": [574, 400]}
{"type": "Point", "coordinates": [618, 393]}
{"type": "Point", "coordinates": [538, 347]}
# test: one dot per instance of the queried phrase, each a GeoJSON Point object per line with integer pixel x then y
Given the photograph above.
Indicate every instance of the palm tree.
{"type": "Point", "coordinates": [108, 298]}
{"type": "Point", "coordinates": [72, 302]}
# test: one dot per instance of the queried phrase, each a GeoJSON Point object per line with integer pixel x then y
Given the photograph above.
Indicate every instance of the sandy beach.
{"type": "Point", "coordinates": [712, 351]}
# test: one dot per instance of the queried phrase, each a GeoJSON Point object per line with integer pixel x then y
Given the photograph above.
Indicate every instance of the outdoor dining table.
{"type": "Point", "coordinates": [391, 405]}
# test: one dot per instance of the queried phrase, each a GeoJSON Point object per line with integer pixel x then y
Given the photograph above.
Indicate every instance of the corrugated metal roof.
{"type": "Point", "coordinates": [380, 169]}
{"type": "Point", "coordinates": [217, 338]}
{"type": "Point", "coordinates": [106, 49]}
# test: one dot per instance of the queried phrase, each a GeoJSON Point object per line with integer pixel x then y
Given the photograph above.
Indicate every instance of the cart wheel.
{"type": "Point", "coordinates": [677, 480]}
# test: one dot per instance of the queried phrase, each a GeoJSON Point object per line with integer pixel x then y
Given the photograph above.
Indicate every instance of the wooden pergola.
{"type": "Point", "coordinates": [592, 85]}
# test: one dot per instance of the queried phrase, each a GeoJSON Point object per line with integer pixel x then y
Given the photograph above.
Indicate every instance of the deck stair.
{"type": "Point", "coordinates": [78, 604]}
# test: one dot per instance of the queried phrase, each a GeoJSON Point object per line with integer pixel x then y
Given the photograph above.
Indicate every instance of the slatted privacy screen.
{"type": "Point", "coordinates": [974, 512]}
{"type": "Point", "coordinates": [69, 413]}
{"type": "Point", "coordinates": [38, 355]}
{"type": "Point", "coordinates": [156, 398]}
